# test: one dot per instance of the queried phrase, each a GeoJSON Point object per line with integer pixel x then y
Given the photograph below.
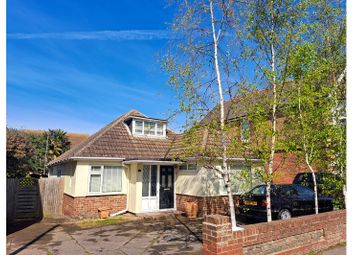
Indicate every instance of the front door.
{"type": "Point", "coordinates": [166, 187]}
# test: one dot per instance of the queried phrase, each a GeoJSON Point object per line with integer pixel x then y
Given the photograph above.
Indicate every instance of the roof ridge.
{"type": "Point", "coordinates": [103, 130]}
{"type": "Point", "coordinates": [83, 145]}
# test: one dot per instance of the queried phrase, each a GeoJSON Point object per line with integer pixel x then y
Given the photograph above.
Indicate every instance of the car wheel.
{"type": "Point", "coordinates": [284, 214]}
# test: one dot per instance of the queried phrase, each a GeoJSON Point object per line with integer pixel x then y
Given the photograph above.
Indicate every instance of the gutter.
{"type": "Point", "coordinates": [230, 159]}
{"type": "Point", "coordinates": [96, 158]}
{"type": "Point", "coordinates": [153, 162]}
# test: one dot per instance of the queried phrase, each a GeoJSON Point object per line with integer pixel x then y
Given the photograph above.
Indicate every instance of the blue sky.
{"type": "Point", "coordinates": [77, 65]}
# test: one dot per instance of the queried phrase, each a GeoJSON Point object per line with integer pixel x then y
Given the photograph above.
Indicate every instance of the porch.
{"type": "Point", "coordinates": [151, 186]}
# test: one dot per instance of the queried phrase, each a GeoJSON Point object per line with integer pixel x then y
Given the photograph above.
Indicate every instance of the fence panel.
{"type": "Point", "coordinates": [51, 192]}
{"type": "Point", "coordinates": [30, 198]}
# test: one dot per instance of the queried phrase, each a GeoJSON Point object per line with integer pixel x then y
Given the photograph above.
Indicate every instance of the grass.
{"type": "Point", "coordinates": [93, 223]}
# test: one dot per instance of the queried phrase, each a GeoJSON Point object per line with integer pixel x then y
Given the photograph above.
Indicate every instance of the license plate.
{"type": "Point", "coordinates": [253, 203]}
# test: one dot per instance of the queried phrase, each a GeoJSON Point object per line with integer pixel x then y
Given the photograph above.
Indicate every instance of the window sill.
{"type": "Point", "coordinates": [150, 136]}
{"type": "Point", "coordinates": [105, 194]}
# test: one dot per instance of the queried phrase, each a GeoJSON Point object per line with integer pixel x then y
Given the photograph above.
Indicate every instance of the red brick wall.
{"type": "Point", "coordinates": [206, 205]}
{"type": "Point", "coordinates": [87, 207]}
{"type": "Point", "coordinates": [286, 166]}
{"type": "Point", "coordinates": [299, 235]}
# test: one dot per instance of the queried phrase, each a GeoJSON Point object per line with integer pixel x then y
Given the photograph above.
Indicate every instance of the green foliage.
{"type": "Point", "coordinates": [58, 143]}
{"type": "Point", "coordinates": [18, 153]}
{"type": "Point", "coordinates": [315, 66]}
{"type": "Point", "coordinates": [36, 162]}
{"type": "Point", "coordinates": [26, 152]}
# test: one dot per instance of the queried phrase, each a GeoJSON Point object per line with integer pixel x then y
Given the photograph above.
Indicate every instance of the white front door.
{"type": "Point", "coordinates": [150, 201]}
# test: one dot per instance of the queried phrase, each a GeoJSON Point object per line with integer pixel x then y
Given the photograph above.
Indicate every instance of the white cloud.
{"type": "Point", "coordinates": [117, 35]}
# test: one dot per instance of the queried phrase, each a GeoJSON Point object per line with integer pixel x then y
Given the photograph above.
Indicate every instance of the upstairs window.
{"type": "Point", "coordinates": [138, 127]}
{"type": "Point", "coordinates": [245, 131]}
{"type": "Point", "coordinates": [148, 128]}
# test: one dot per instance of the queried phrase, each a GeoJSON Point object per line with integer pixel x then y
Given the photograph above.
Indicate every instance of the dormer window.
{"type": "Point", "coordinates": [150, 128]}
{"type": "Point", "coordinates": [138, 127]}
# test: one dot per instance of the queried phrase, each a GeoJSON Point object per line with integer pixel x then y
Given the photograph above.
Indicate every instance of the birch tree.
{"type": "Point", "coordinates": [317, 107]}
{"type": "Point", "coordinates": [274, 28]}
{"type": "Point", "coordinates": [200, 70]}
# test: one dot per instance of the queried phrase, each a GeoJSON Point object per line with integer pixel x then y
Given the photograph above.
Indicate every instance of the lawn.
{"type": "Point", "coordinates": [92, 223]}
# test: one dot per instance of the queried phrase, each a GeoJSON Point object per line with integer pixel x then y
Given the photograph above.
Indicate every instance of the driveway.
{"type": "Point", "coordinates": [162, 236]}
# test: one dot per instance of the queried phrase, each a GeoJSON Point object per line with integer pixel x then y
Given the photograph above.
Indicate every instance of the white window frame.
{"type": "Point", "coordinates": [155, 129]}
{"type": "Point", "coordinates": [101, 183]}
{"type": "Point", "coordinates": [189, 170]}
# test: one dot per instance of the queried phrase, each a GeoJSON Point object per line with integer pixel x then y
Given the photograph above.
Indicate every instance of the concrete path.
{"type": "Point", "coordinates": [168, 236]}
{"type": "Point", "coordinates": [339, 250]}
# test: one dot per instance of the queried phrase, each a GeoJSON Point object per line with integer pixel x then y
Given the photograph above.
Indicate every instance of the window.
{"type": "Point", "coordinates": [188, 167]}
{"type": "Point", "coordinates": [245, 131]}
{"type": "Point", "coordinates": [105, 179]}
{"type": "Point", "coordinates": [243, 178]}
{"type": "Point", "coordinates": [148, 128]}
{"type": "Point", "coordinates": [149, 188]}
{"type": "Point", "coordinates": [286, 191]}
{"type": "Point", "coordinates": [159, 129]}
{"type": "Point", "coordinates": [139, 127]}
{"type": "Point", "coordinates": [303, 191]}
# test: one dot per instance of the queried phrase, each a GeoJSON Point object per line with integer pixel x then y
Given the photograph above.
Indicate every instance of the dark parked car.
{"type": "Point", "coordinates": [287, 200]}
{"type": "Point", "coordinates": [306, 179]}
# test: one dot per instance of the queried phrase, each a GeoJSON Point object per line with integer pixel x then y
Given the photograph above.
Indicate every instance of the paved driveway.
{"type": "Point", "coordinates": [167, 236]}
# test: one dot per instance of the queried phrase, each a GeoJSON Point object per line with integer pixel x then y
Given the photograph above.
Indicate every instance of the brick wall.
{"type": "Point", "coordinates": [299, 235]}
{"type": "Point", "coordinates": [286, 166]}
{"type": "Point", "coordinates": [206, 205]}
{"type": "Point", "coordinates": [87, 207]}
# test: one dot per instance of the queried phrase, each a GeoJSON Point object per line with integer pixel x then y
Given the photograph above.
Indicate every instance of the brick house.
{"type": "Point", "coordinates": [134, 164]}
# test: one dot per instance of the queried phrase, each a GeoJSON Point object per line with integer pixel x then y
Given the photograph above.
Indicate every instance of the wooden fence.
{"type": "Point", "coordinates": [33, 199]}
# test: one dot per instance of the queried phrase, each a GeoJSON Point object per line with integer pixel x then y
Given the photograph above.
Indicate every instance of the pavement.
{"type": "Point", "coordinates": [338, 250]}
{"type": "Point", "coordinates": [171, 235]}
{"type": "Point", "coordinates": [154, 236]}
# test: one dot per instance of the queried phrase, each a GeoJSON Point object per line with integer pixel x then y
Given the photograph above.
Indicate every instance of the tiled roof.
{"type": "Point", "coordinates": [116, 141]}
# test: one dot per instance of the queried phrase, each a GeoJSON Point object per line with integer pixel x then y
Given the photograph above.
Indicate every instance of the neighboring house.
{"type": "Point", "coordinates": [132, 165]}
{"type": "Point", "coordinates": [286, 165]}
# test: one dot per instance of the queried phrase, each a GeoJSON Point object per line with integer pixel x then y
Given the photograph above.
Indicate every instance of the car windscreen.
{"type": "Point", "coordinates": [286, 191]}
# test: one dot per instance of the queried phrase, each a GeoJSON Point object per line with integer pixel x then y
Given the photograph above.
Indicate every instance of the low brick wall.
{"type": "Point", "coordinates": [87, 207]}
{"type": "Point", "coordinates": [299, 235]}
{"type": "Point", "coordinates": [206, 205]}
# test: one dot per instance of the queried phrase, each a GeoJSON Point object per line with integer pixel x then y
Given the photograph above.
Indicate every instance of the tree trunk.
{"type": "Point", "coordinates": [274, 122]}
{"type": "Point", "coordinates": [226, 173]}
{"type": "Point", "coordinates": [307, 160]}
{"type": "Point", "coordinates": [314, 182]}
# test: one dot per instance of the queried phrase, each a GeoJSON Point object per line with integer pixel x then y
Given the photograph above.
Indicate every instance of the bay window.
{"type": "Point", "coordinates": [105, 179]}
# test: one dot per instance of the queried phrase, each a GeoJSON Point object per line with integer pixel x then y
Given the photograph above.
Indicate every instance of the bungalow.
{"type": "Point", "coordinates": [130, 165]}
{"type": "Point", "coordinates": [134, 164]}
